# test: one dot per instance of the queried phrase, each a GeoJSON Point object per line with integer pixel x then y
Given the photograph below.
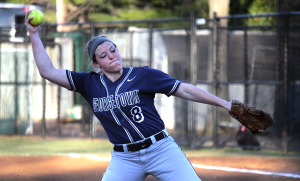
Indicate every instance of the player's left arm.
{"type": "Point", "coordinates": [196, 94]}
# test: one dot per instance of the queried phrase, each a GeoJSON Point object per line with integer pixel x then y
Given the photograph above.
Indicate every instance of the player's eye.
{"type": "Point", "coordinates": [113, 51]}
{"type": "Point", "coordinates": [102, 56]}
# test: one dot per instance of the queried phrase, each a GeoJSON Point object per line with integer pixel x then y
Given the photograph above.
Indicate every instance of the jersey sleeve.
{"type": "Point", "coordinates": [77, 81]}
{"type": "Point", "coordinates": [159, 82]}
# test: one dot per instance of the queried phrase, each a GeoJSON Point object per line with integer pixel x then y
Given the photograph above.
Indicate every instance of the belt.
{"type": "Point", "coordinates": [140, 145]}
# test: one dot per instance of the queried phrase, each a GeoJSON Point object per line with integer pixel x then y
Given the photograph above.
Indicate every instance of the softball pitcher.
{"type": "Point", "coordinates": [122, 98]}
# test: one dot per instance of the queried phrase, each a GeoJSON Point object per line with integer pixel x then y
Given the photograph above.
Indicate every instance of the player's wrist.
{"type": "Point", "coordinates": [227, 105]}
{"type": "Point", "coordinates": [34, 35]}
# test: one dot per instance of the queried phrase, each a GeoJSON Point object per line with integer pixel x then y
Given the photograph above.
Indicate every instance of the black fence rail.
{"type": "Point", "coordinates": [254, 58]}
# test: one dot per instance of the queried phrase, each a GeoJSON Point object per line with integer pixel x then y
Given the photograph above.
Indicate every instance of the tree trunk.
{"type": "Point", "coordinates": [61, 12]}
{"type": "Point", "coordinates": [221, 7]}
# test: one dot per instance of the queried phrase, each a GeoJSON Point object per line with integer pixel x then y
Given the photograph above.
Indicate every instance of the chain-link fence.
{"type": "Point", "coordinates": [254, 63]}
{"type": "Point", "coordinates": [258, 64]}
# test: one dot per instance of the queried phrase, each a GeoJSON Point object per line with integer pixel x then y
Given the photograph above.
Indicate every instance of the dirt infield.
{"type": "Point", "coordinates": [66, 168]}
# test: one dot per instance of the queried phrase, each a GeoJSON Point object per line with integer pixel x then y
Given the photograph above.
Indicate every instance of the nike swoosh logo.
{"type": "Point", "coordinates": [128, 80]}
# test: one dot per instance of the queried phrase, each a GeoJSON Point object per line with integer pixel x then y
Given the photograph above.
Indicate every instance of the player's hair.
{"type": "Point", "coordinates": [91, 47]}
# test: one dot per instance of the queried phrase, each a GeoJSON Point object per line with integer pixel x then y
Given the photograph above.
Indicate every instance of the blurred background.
{"type": "Point", "coordinates": [243, 49]}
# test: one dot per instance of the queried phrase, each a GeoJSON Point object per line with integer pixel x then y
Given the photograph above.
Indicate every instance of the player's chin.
{"type": "Point", "coordinates": [116, 62]}
{"type": "Point", "coordinates": [116, 67]}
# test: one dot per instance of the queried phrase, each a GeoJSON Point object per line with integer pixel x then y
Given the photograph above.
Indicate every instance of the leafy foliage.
{"type": "Point", "coordinates": [142, 9]}
{"type": "Point", "coordinates": [107, 10]}
{"type": "Point", "coordinates": [253, 7]}
{"type": "Point", "coordinates": [259, 7]}
{"type": "Point", "coordinates": [17, 1]}
{"type": "Point", "coordinates": [263, 6]}
{"type": "Point", "coordinates": [50, 16]}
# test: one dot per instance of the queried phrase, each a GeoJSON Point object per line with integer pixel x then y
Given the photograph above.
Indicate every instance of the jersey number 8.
{"type": "Point", "coordinates": [137, 114]}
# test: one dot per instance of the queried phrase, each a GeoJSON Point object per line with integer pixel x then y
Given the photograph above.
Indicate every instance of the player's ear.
{"type": "Point", "coordinates": [96, 64]}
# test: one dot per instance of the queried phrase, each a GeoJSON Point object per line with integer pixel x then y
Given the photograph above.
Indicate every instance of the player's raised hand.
{"type": "Point", "coordinates": [32, 29]}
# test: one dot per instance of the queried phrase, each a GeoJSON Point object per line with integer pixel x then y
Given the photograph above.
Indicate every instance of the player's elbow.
{"type": "Point", "coordinates": [46, 73]}
{"type": "Point", "coordinates": [43, 75]}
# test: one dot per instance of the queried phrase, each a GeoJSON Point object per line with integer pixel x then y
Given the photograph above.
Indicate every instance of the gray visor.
{"type": "Point", "coordinates": [94, 44]}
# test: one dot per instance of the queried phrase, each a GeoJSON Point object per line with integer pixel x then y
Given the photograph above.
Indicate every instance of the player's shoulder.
{"type": "Point", "coordinates": [140, 71]}
{"type": "Point", "coordinates": [85, 75]}
{"type": "Point", "coordinates": [144, 69]}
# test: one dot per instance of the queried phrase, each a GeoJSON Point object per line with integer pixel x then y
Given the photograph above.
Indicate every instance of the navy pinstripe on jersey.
{"type": "Point", "coordinates": [125, 107]}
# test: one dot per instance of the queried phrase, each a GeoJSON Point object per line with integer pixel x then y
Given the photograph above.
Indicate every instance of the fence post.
{"type": "Point", "coordinates": [0, 60]}
{"type": "Point", "coordinates": [193, 77]}
{"type": "Point", "coordinates": [285, 133]}
{"type": "Point", "coordinates": [44, 130]}
{"type": "Point", "coordinates": [16, 89]}
{"type": "Point", "coordinates": [150, 43]}
{"type": "Point", "coordinates": [246, 67]}
{"type": "Point", "coordinates": [215, 110]}
{"type": "Point", "coordinates": [92, 29]}
{"type": "Point", "coordinates": [84, 65]}
{"type": "Point", "coordinates": [90, 112]}
{"type": "Point", "coordinates": [131, 47]}
{"type": "Point", "coordinates": [59, 91]}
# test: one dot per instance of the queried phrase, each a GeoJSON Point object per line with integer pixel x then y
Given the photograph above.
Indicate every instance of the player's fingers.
{"type": "Point", "coordinates": [28, 26]}
{"type": "Point", "coordinates": [27, 20]}
{"type": "Point", "coordinates": [26, 15]}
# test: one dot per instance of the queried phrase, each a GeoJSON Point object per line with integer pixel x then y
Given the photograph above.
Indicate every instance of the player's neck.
{"type": "Point", "coordinates": [114, 76]}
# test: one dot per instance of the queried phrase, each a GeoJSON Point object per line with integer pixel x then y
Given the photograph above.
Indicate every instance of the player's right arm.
{"type": "Point", "coordinates": [196, 94]}
{"type": "Point", "coordinates": [42, 59]}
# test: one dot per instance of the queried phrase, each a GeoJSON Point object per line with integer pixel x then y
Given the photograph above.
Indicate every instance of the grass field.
{"type": "Point", "coordinates": [35, 145]}
{"type": "Point", "coordinates": [28, 158]}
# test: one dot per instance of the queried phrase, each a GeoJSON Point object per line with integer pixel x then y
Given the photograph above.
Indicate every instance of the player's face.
{"type": "Point", "coordinates": [108, 58]}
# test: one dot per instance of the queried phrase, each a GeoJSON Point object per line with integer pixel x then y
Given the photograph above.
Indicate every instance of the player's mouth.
{"type": "Point", "coordinates": [113, 61]}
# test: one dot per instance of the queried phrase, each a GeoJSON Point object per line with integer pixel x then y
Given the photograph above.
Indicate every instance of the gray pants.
{"type": "Point", "coordinates": [163, 160]}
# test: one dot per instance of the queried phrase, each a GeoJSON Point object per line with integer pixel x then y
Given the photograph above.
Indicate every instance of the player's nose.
{"type": "Point", "coordinates": [110, 55]}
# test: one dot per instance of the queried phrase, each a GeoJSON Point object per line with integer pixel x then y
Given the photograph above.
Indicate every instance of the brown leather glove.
{"type": "Point", "coordinates": [256, 120]}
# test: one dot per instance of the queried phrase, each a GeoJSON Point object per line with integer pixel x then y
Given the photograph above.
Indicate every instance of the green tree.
{"type": "Point", "coordinates": [147, 9]}
{"type": "Point", "coordinates": [252, 7]}
{"type": "Point", "coordinates": [262, 6]}
{"type": "Point", "coordinates": [107, 10]}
